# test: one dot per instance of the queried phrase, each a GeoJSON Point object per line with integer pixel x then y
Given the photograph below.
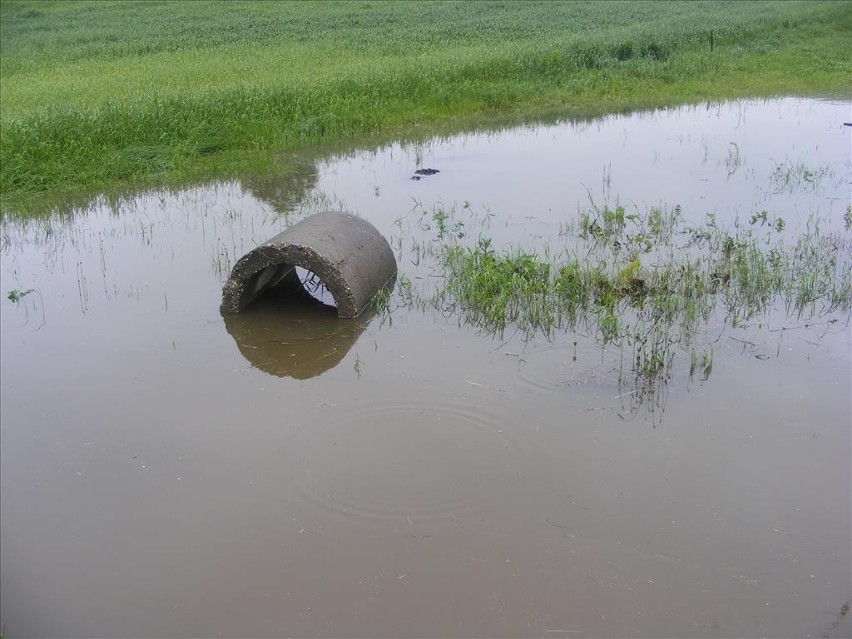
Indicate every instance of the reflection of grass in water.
{"type": "Point", "coordinates": [790, 177]}
{"type": "Point", "coordinates": [733, 161]}
{"type": "Point", "coordinates": [16, 295]}
{"type": "Point", "coordinates": [19, 297]}
{"type": "Point", "coordinates": [648, 283]}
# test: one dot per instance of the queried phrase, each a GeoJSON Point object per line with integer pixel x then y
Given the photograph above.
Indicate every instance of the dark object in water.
{"type": "Point", "coordinates": [419, 173]}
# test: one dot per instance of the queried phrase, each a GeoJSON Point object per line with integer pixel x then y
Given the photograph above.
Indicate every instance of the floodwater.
{"type": "Point", "coordinates": [170, 473]}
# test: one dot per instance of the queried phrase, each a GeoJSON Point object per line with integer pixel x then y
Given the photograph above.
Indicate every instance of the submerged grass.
{"type": "Point", "coordinates": [649, 283]}
{"type": "Point", "coordinates": [676, 278]}
{"type": "Point", "coordinates": [97, 93]}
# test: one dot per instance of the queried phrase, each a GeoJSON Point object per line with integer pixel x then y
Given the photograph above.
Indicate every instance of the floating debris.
{"type": "Point", "coordinates": [420, 173]}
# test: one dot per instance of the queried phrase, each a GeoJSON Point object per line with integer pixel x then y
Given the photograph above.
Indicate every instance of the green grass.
{"type": "Point", "coordinates": [649, 283]}
{"type": "Point", "coordinates": [96, 94]}
{"type": "Point", "coordinates": [650, 268]}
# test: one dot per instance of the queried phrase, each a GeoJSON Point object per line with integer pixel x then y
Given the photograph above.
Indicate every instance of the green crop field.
{"type": "Point", "coordinates": [96, 94]}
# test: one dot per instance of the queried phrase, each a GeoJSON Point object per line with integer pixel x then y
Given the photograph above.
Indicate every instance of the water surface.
{"type": "Point", "coordinates": [168, 472]}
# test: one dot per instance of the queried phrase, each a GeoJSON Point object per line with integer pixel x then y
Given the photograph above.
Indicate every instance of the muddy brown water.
{"type": "Point", "coordinates": [169, 473]}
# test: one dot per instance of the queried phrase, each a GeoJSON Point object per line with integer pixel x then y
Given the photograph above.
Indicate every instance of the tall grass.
{"type": "Point", "coordinates": [94, 93]}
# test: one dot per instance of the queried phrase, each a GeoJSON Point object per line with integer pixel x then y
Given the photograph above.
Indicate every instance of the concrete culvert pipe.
{"type": "Point", "coordinates": [351, 258]}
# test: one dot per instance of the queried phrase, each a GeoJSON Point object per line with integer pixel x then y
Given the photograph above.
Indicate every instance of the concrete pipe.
{"type": "Point", "coordinates": [345, 252]}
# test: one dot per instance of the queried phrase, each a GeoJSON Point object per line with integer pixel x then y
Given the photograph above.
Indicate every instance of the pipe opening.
{"type": "Point", "coordinates": [314, 287]}
{"type": "Point", "coordinates": [279, 283]}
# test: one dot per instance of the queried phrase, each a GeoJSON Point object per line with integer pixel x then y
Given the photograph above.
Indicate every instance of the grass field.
{"type": "Point", "coordinates": [96, 94]}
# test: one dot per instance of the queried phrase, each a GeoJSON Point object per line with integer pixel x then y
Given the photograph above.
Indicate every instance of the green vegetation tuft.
{"type": "Point", "coordinates": [676, 279]}
{"type": "Point", "coordinates": [648, 281]}
{"type": "Point", "coordinates": [99, 93]}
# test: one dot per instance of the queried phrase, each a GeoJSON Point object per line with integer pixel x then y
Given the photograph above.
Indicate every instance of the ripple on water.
{"type": "Point", "coordinates": [549, 366]}
{"type": "Point", "coordinates": [421, 466]}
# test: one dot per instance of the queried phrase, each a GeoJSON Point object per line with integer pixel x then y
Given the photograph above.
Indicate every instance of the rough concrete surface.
{"type": "Point", "coordinates": [347, 253]}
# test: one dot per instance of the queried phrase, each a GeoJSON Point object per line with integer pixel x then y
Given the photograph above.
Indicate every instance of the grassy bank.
{"type": "Point", "coordinates": [95, 94]}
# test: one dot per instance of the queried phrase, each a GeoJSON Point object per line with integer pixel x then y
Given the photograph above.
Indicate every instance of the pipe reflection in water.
{"type": "Point", "coordinates": [294, 335]}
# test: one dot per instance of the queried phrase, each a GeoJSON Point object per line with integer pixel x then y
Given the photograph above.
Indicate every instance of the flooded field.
{"type": "Point", "coordinates": [421, 471]}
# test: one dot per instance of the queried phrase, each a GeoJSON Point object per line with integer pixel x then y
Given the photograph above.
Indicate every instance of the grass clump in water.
{"type": "Point", "coordinates": [498, 290]}
{"type": "Point", "coordinates": [651, 284]}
